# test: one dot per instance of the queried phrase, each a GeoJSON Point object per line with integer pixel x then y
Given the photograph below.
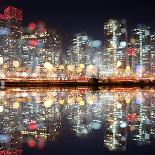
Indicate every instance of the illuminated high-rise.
{"type": "Point", "coordinates": [13, 22]}
{"type": "Point", "coordinates": [115, 43]}
{"type": "Point", "coordinates": [141, 45]}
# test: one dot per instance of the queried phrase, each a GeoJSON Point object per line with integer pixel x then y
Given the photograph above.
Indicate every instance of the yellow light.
{"type": "Point", "coordinates": [15, 63]}
{"type": "Point", "coordinates": [127, 99]}
{"type": "Point", "coordinates": [91, 99]}
{"type": "Point", "coordinates": [82, 103]}
{"type": "Point", "coordinates": [61, 67]}
{"type": "Point", "coordinates": [119, 64]}
{"type": "Point", "coordinates": [61, 102]}
{"type": "Point", "coordinates": [79, 70]}
{"type": "Point", "coordinates": [91, 69]}
{"type": "Point", "coordinates": [82, 66]}
{"type": "Point", "coordinates": [47, 65]}
{"type": "Point", "coordinates": [128, 69]}
{"type": "Point", "coordinates": [5, 66]}
{"type": "Point", "coordinates": [70, 68]}
{"type": "Point", "coordinates": [47, 103]}
{"type": "Point", "coordinates": [70, 101]}
{"type": "Point", "coordinates": [15, 105]}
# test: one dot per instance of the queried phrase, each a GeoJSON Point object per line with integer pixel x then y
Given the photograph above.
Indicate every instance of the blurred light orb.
{"type": "Point", "coordinates": [96, 43]}
{"type": "Point", "coordinates": [16, 63]}
{"type": "Point", "coordinates": [32, 26]}
{"type": "Point", "coordinates": [4, 138]}
{"type": "Point", "coordinates": [32, 143]}
{"type": "Point", "coordinates": [91, 99]}
{"type": "Point", "coordinates": [79, 70]}
{"type": "Point", "coordinates": [24, 94]}
{"type": "Point", "coordinates": [16, 105]}
{"type": "Point", "coordinates": [91, 69]}
{"type": "Point", "coordinates": [47, 65]}
{"type": "Point", "coordinates": [1, 60]}
{"type": "Point", "coordinates": [123, 30]}
{"type": "Point", "coordinates": [132, 128]}
{"type": "Point", "coordinates": [85, 38]}
{"type": "Point", "coordinates": [119, 63]}
{"type": "Point", "coordinates": [1, 108]}
{"type": "Point", "coordinates": [70, 68]}
{"type": "Point", "coordinates": [61, 102]}
{"type": "Point", "coordinates": [123, 124]}
{"type": "Point", "coordinates": [4, 31]}
{"type": "Point", "coordinates": [123, 44]}
{"type": "Point", "coordinates": [61, 67]}
{"type": "Point", "coordinates": [24, 74]}
{"type": "Point", "coordinates": [47, 103]}
{"type": "Point", "coordinates": [132, 41]}
{"type": "Point", "coordinates": [70, 101]}
{"type": "Point", "coordinates": [123, 138]}
{"type": "Point", "coordinates": [81, 103]}
{"type": "Point", "coordinates": [95, 125]}
{"type": "Point", "coordinates": [82, 66]}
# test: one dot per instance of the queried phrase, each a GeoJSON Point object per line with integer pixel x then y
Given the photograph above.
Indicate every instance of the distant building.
{"type": "Point", "coordinates": [141, 34]}
{"type": "Point", "coordinates": [115, 43]}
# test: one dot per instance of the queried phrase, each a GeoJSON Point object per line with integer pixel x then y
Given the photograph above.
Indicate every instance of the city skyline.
{"type": "Point", "coordinates": [36, 51]}
{"type": "Point", "coordinates": [89, 17]}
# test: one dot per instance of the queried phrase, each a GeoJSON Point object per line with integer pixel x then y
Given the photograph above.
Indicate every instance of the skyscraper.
{"type": "Point", "coordinates": [141, 34]}
{"type": "Point", "coordinates": [13, 23]}
{"type": "Point", "coordinates": [115, 43]}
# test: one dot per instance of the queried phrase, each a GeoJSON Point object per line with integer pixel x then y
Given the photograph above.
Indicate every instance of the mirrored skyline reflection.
{"type": "Point", "coordinates": [37, 117]}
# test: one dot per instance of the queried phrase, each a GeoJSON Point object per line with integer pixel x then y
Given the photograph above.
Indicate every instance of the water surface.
{"type": "Point", "coordinates": [77, 121]}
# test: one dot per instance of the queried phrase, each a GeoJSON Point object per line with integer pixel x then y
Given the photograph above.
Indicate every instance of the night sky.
{"type": "Point", "coordinates": [70, 17]}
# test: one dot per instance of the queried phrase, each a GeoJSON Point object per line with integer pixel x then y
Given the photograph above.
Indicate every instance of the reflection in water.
{"type": "Point", "coordinates": [35, 116]}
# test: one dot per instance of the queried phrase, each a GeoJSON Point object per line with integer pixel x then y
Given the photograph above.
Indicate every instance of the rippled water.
{"type": "Point", "coordinates": [76, 121]}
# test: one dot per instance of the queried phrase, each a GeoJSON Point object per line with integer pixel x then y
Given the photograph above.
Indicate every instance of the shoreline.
{"type": "Point", "coordinates": [77, 83]}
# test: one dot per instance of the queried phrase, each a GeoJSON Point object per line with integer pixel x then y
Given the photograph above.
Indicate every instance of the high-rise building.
{"type": "Point", "coordinates": [11, 28]}
{"type": "Point", "coordinates": [152, 53]}
{"type": "Point", "coordinates": [115, 43]}
{"type": "Point", "coordinates": [41, 47]}
{"type": "Point", "coordinates": [141, 46]}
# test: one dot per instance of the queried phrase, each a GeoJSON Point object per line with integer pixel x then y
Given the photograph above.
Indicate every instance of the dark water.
{"type": "Point", "coordinates": [77, 121]}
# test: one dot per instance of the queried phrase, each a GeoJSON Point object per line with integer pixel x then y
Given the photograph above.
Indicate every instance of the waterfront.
{"type": "Point", "coordinates": [77, 120]}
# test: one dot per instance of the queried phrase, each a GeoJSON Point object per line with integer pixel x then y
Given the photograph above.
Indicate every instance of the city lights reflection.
{"type": "Point", "coordinates": [35, 116]}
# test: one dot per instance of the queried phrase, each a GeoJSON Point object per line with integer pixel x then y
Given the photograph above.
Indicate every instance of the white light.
{"type": "Point", "coordinates": [24, 74]}
{"type": "Point", "coordinates": [15, 63]}
{"type": "Point", "coordinates": [123, 44]}
{"type": "Point", "coordinates": [96, 43]}
{"type": "Point", "coordinates": [1, 60]}
{"type": "Point", "coordinates": [123, 30]}
{"type": "Point", "coordinates": [47, 103]}
{"type": "Point", "coordinates": [1, 108]}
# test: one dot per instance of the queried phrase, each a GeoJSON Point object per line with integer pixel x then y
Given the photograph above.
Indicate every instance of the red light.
{"type": "Point", "coordinates": [132, 51]}
{"type": "Point", "coordinates": [32, 143]}
{"type": "Point", "coordinates": [12, 12]}
{"type": "Point", "coordinates": [132, 117]}
{"type": "Point", "coordinates": [2, 17]}
{"type": "Point", "coordinates": [32, 26]}
{"type": "Point", "coordinates": [32, 126]}
{"type": "Point", "coordinates": [33, 42]}
{"type": "Point", "coordinates": [42, 30]}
